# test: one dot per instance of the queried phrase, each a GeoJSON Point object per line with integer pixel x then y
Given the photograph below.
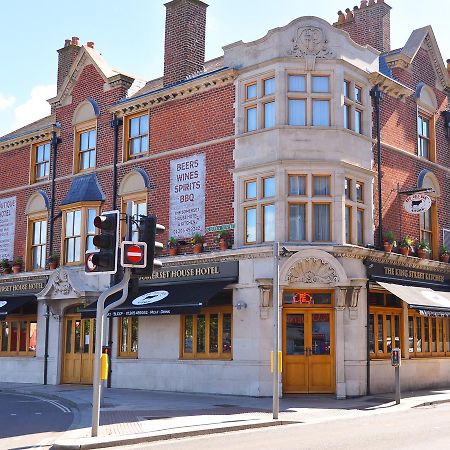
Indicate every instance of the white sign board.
{"type": "Point", "coordinates": [187, 196]}
{"type": "Point", "coordinates": [7, 227]}
{"type": "Point", "coordinates": [417, 203]}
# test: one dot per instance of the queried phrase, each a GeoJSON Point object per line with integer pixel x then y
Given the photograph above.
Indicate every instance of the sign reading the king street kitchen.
{"type": "Point", "coordinates": [187, 196]}
{"type": "Point", "coordinates": [7, 227]}
{"type": "Point", "coordinates": [388, 272]}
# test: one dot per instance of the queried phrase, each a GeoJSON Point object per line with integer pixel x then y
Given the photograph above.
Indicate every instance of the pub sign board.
{"type": "Point", "coordinates": [411, 275]}
{"type": "Point", "coordinates": [23, 286]}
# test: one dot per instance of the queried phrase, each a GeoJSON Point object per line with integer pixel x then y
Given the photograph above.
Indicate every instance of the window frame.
{"type": "Point", "coordinates": [19, 319]}
{"type": "Point", "coordinates": [300, 175]}
{"type": "Point", "coordinates": [350, 224]}
{"type": "Point", "coordinates": [246, 208]}
{"type": "Point", "coordinates": [433, 231]}
{"type": "Point", "coordinates": [136, 198]}
{"type": "Point", "coordinates": [83, 207]}
{"type": "Point", "coordinates": [207, 311]}
{"type": "Point", "coordinates": [329, 203]}
{"type": "Point", "coordinates": [430, 117]}
{"type": "Point", "coordinates": [127, 139]}
{"type": "Point", "coordinates": [31, 220]}
{"type": "Point", "coordinates": [79, 129]}
{"type": "Point", "coordinates": [317, 175]}
{"type": "Point", "coordinates": [305, 204]}
{"type": "Point", "coordinates": [384, 311]}
{"type": "Point", "coordinates": [127, 354]}
{"type": "Point", "coordinates": [33, 163]}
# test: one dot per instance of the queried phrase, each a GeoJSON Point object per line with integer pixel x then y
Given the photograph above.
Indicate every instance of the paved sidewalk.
{"type": "Point", "coordinates": [132, 416]}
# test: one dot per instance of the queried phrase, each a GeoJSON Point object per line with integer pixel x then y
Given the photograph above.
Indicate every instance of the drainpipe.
{"type": "Point", "coordinates": [54, 146]}
{"type": "Point", "coordinates": [368, 339]}
{"type": "Point", "coordinates": [116, 122]}
{"type": "Point", "coordinates": [377, 96]}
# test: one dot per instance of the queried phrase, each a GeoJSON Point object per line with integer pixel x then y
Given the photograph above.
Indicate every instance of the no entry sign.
{"type": "Point", "coordinates": [134, 254]}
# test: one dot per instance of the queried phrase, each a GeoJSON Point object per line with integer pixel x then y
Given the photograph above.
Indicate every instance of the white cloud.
{"type": "Point", "coordinates": [36, 107]}
{"type": "Point", "coordinates": [6, 102]}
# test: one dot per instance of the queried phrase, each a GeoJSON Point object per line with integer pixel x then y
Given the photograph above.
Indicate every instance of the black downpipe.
{"type": "Point", "coordinates": [54, 146]}
{"type": "Point", "coordinates": [115, 124]}
{"type": "Point", "coordinates": [377, 96]}
{"type": "Point", "coordinates": [368, 340]}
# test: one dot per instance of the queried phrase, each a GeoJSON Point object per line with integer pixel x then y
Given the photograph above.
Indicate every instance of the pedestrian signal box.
{"type": "Point", "coordinates": [396, 357]}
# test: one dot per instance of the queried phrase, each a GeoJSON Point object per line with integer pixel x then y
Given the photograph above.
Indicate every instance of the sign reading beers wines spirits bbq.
{"type": "Point", "coordinates": [417, 203]}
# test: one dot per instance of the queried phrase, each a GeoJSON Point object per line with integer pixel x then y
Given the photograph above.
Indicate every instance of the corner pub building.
{"type": "Point", "coordinates": [275, 140]}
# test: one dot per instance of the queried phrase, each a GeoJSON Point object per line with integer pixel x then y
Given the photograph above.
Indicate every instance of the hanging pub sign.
{"type": "Point", "coordinates": [417, 203]}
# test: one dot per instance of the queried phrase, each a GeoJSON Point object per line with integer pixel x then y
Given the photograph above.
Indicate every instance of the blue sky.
{"type": "Point", "coordinates": [133, 39]}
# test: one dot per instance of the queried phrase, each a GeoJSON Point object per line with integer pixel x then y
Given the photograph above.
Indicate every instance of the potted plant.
{"type": "Point", "coordinates": [423, 248]}
{"type": "Point", "coordinates": [405, 245]}
{"type": "Point", "coordinates": [389, 241]}
{"type": "Point", "coordinates": [53, 261]}
{"type": "Point", "coordinates": [172, 245]}
{"type": "Point", "coordinates": [17, 264]}
{"type": "Point", "coordinates": [197, 242]}
{"type": "Point", "coordinates": [224, 239]}
{"type": "Point", "coordinates": [6, 266]}
{"type": "Point", "coordinates": [445, 254]}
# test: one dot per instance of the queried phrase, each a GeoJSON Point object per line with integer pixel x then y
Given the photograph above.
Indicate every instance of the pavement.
{"type": "Point", "coordinates": [131, 416]}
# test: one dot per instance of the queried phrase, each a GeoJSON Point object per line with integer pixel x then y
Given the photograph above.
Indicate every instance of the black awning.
{"type": "Point", "coordinates": [181, 298]}
{"type": "Point", "coordinates": [10, 304]}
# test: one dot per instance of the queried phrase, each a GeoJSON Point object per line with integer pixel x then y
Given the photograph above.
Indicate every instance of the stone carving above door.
{"type": "Point", "coordinates": [312, 271]}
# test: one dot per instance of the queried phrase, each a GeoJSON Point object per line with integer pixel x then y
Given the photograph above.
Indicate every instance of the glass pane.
{"type": "Point", "coordinates": [360, 227]}
{"type": "Point", "coordinates": [359, 192]}
{"type": "Point", "coordinates": [251, 91]}
{"type": "Point", "coordinates": [5, 334]}
{"type": "Point", "coordinates": [358, 94]}
{"type": "Point", "coordinates": [77, 347]}
{"type": "Point", "coordinates": [411, 334]}
{"type": "Point", "coordinates": [447, 347]}
{"type": "Point", "coordinates": [419, 334]}
{"type": "Point", "coordinates": [91, 213]}
{"type": "Point", "coordinates": [92, 158]}
{"type": "Point", "coordinates": [77, 223]}
{"type": "Point", "coordinates": [23, 336]}
{"type": "Point", "coordinates": [320, 334]}
{"type": "Point", "coordinates": [426, 330]}
{"type": "Point", "coordinates": [322, 226]}
{"type": "Point", "coordinates": [251, 119]}
{"type": "Point", "coordinates": [320, 84]}
{"type": "Point", "coordinates": [13, 339]}
{"type": "Point", "coordinates": [86, 335]}
{"type": "Point", "coordinates": [297, 222]}
{"type": "Point", "coordinates": [380, 346]}
{"type": "Point", "coordinates": [269, 222]}
{"type": "Point", "coordinates": [250, 189]}
{"type": "Point", "coordinates": [250, 224]}
{"type": "Point", "coordinates": [346, 88]}
{"type": "Point", "coordinates": [441, 334]}
{"type": "Point", "coordinates": [269, 86]}
{"type": "Point", "coordinates": [77, 249]}
{"type": "Point", "coordinates": [36, 233]}
{"type": "Point", "coordinates": [433, 335]}
{"type": "Point", "coordinates": [69, 337]}
{"type": "Point", "coordinates": [371, 334]}
{"type": "Point", "coordinates": [297, 83]}
{"type": "Point", "coordinates": [358, 121]}
{"type": "Point", "coordinates": [347, 188]}
{"type": "Point", "coordinates": [92, 138]}
{"type": "Point", "coordinates": [297, 185]}
{"type": "Point", "coordinates": [347, 112]}
{"type": "Point", "coordinates": [84, 164]}
{"type": "Point", "coordinates": [321, 185]}
{"type": "Point", "coordinates": [134, 127]}
{"type": "Point", "coordinates": [297, 112]}
{"type": "Point", "coordinates": [69, 223]}
{"type": "Point", "coordinates": [135, 146]}
{"type": "Point", "coordinates": [84, 141]}
{"type": "Point", "coordinates": [269, 187]}
{"type": "Point", "coordinates": [321, 113]}
{"type": "Point", "coordinates": [214, 333]}
{"type": "Point", "coordinates": [134, 334]}
{"type": "Point", "coordinates": [226, 334]}
{"type": "Point", "coordinates": [47, 152]}
{"type": "Point", "coordinates": [201, 333]}
{"type": "Point", "coordinates": [40, 154]}
{"type": "Point", "coordinates": [348, 215]}
{"type": "Point", "coordinates": [269, 115]}
{"type": "Point", "coordinates": [388, 333]}
{"type": "Point", "coordinates": [295, 334]}
{"type": "Point", "coordinates": [124, 335]}
{"type": "Point", "coordinates": [70, 250]}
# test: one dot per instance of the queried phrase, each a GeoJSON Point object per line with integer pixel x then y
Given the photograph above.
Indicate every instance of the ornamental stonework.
{"type": "Point", "coordinates": [312, 271]}
{"type": "Point", "coordinates": [310, 41]}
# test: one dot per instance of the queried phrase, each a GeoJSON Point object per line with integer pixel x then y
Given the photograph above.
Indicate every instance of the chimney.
{"type": "Point", "coordinates": [370, 24]}
{"type": "Point", "coordinates": [66, 56]}
{"type": "Point", "coordinates": [184, 47]}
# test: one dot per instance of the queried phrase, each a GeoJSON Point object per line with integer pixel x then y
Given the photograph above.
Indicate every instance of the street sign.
{"type": "Point", "coordinates": [90, 266]}
{"type": "Point", "coordinates": [133, 254]}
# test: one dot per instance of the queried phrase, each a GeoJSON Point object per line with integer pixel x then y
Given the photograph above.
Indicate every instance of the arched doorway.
{"type": "Point", "coordinates": [79, 348]}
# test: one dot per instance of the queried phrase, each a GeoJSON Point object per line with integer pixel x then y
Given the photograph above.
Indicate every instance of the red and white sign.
{"type": "Point", "coordinates": [134, 254]}
{"type": "Point", "coordinates": [89, 263]}
{"type": "Point", "coordinates": [417, 203]}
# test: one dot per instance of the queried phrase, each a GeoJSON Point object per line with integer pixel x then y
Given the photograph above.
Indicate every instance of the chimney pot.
{"type": "Point", "coordinates": [90, 44]}
{"type": "Point", "coordinates": [355, 8]}
{"type": "Point", "coordinates": [371, 2]}
{"type": "Point", "coordinates": [363, 4]}
{"type": "Point", "coordinates": [341, 16]}
{"type": "Point", "coordinates": [349, 14]}
{"type": "Point", "coordinates": [76, 41]}
{"type": "Point", "coordinates": [67, 42]}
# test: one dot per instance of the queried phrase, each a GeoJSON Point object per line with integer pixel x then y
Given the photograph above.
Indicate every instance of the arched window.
{"type": "Point", "coordinates": [426, 111]}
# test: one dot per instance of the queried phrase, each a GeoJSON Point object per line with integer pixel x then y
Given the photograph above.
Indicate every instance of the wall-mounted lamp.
{"type": "Point", "coordinates": [240, 305]}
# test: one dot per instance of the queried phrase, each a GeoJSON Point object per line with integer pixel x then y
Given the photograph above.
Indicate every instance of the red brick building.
{"type": "Point", "coordinates": [274, 141]}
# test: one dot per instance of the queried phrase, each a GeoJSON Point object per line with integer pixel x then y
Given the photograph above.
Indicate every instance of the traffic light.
{"type": "Point", "coordinates": [104, 259]}
{"type": "Point", "coordinates": [148, 230]}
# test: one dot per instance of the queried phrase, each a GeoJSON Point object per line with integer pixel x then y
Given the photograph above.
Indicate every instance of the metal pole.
{"type": "Point", "coordinates": [276, 302]}
{"type": "Point", "coordinates": [397, 385]}
{"type": "Point", "coordinates": [100, 317]}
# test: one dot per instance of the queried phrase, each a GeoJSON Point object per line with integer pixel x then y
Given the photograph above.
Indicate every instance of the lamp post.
{"type": "Point", "coordinates": [276, 302]}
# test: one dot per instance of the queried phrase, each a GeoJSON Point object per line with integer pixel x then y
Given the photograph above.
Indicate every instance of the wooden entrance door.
{"type": "Point", "coordinates": [79, 349]}
{"type": "Point", "coordinates": [308, 351]}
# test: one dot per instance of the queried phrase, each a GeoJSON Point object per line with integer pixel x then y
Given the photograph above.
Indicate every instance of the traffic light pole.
{"type": "Point", "coordinates": [100, 318]}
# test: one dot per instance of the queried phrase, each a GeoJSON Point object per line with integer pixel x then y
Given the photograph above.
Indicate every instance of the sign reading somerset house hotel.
{"type": "Point", "coordinates": [24, 286]}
